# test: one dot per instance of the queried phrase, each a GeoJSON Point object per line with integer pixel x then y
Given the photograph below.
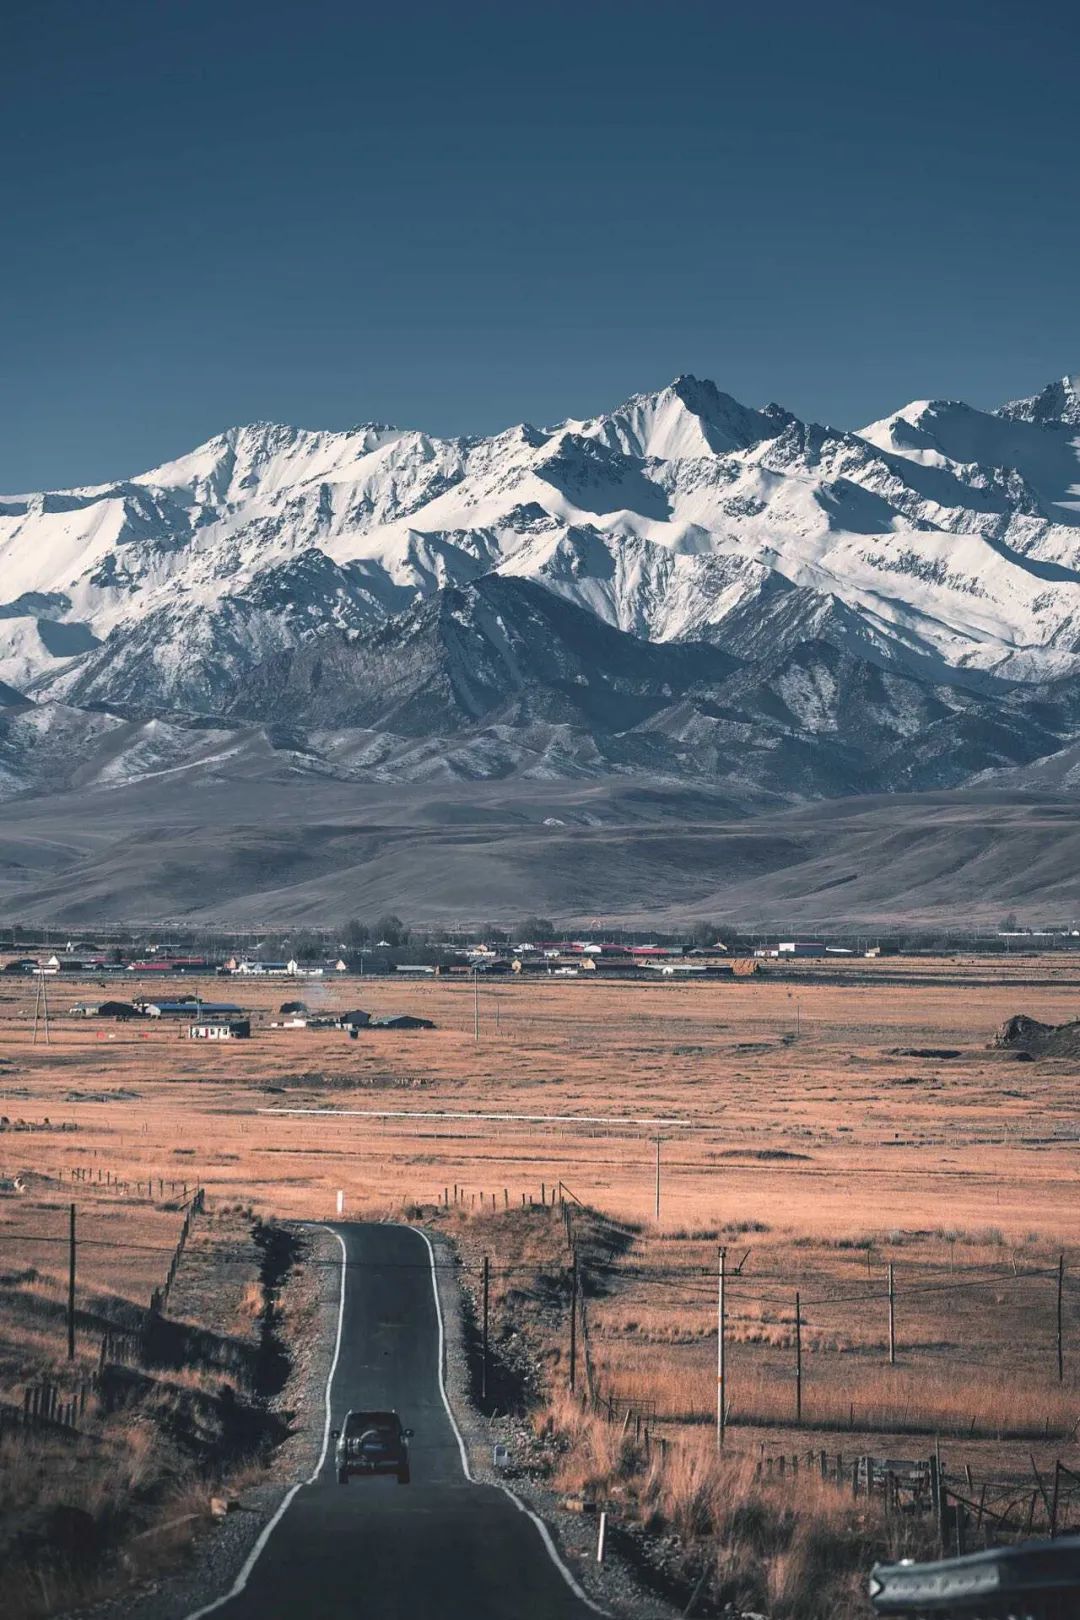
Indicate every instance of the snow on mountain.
{"type": "Point", "coordinates": [690, 418]}
{"type": "Point", "coordinates": [1058, 402]}
{"type": "Point", "coordinates": [1036, 440]}
{"type": "Point", "coordinates": [939, 540]}
{"type": "Point", "coordinates": [268, 458]}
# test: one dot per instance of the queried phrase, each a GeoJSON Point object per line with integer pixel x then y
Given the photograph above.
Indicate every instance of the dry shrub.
{"type": "Point", "coordinates": [798, 1553]}
{"type": "Point", "coordinates": [817, 1569]}
{"type": "Point", "coordinates": [592, 1455]}
{"type": "Point", "coordinates": [683, 1493]}
{"type": "Point", "coordinates": [183, 1512]}
{"type": "Point", "coordinates": [250, 1304]}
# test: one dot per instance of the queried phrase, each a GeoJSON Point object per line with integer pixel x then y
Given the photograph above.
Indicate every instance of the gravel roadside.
{"type": "Point", "coordinates": [612, 1586]}
{"type": "Point", "coordinates": [219, 1552]}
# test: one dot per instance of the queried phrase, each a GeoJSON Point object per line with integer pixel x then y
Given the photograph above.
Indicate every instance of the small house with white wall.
{"type": "Point", "coordinates": [236, 1029]}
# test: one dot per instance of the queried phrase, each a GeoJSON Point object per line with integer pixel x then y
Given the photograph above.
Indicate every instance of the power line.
{"type": "Point", "coordinates": [672, 1275]}
{"type": "Point", "coordinates": [458, 1267]}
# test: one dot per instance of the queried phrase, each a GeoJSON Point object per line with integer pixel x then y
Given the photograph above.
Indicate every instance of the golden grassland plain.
{"type": "Point", "coordinates": [820, 1131]}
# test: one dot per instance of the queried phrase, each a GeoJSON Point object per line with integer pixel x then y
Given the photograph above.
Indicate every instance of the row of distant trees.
{"type": "Point", "coordinates": [389, 928]}
{"type": "Point", "coordinates": [389, 931]}
{"type": "Point", "coordinates": [393, 932]}
{"type": "Point", "coordinates": [307, 946]}
{"type": "Point", "coordinates": [532, 930]}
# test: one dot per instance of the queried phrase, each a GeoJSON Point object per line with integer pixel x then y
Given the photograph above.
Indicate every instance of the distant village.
{"type": "Point", "coordinates": [555, 958]}
{"type": "Point", "coordinates": [142, 965]}
{"type": "Point", "coordinates": [133, 963]}
{"type": "Point", "coordinates": [390, 949]}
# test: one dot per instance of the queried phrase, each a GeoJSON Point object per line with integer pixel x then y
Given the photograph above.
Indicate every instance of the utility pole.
{"type": "Point", "coordinates": [721, 1391]}
{"type": "Point", "coordinates": [476, 1002]}
{"type": "Point", "coordinates": [573, 1321]}
{"type": "Point", "coordinates": [1060, 1342]}
{"type": "Point", "coordinates": [71, 1286]}
{"type": "Point", "coordinates": [657, 1209]}
{"type": "Point", "coordinates": [41, 1009]}
{"type": "Point", "coordinates": [892, 1318]}
{"type": "Point", "coordinates": [798, 1360]}
{"type": "Point", "coordinates": [487, 1297]}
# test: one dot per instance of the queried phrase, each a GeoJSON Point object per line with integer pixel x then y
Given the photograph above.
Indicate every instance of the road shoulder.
{"type": "Point", "coordinates": [218, 1555]}
{"type": "Point", "coordinates": [611, 1585]}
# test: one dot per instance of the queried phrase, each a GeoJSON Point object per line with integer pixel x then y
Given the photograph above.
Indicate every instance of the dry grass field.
{"type": "Point", "coordinates": [109, 1455]}
{"type": "Point", "coordinates": [153, 1411]}
{"type": "Point", "coordinates": [820, 1131]}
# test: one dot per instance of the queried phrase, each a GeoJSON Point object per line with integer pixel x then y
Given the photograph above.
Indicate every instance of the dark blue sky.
{"type": "Point", "coordinates": [456, 216]}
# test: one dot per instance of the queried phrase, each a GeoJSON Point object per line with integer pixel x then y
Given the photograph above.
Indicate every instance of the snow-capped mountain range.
{"type": "Point", "coordinates": [398, 588]}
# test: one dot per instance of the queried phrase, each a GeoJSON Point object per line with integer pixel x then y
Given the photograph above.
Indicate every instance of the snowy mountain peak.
{"type": "Point", "coordinates": [915, 424]}
{"type": "Point", "coordinates": [1014, 459]}
{"type": "Point", "coordinates": [691, 417]}
{"type": "Point", "coordinates": [266, 454]}
{"type": "Point", "coordinates": [1058, 402]}
{"type": "Point", "coordinates": [943, 538]}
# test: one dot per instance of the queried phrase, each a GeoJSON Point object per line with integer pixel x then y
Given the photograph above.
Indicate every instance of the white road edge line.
{"type": "Point", "coordinates": [545, 1534]}
{"type": "Point", "coordinates": [283, 1506]}
{"type": "Point", "coordinates": [268, 1529]}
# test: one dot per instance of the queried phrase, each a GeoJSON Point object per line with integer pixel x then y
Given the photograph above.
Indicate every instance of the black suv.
{"type": "Point", "coordinates": [372, 1443]}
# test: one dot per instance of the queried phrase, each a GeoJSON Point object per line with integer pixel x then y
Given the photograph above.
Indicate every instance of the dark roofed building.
{"type": "Point", "coordinates": [118, 1009]}
{"type": "Point", "coordinates": [190, 1007]}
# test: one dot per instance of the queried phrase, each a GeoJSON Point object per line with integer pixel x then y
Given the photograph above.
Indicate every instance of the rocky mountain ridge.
{"type": "Point", "coordinates": [685, 587]}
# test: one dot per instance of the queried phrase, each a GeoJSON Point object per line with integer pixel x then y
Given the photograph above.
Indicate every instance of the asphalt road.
{"type": "Point", "coordinates": [441, 1548]}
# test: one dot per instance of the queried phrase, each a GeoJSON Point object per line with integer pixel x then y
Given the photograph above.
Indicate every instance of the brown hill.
{"type": "Point", "coordinates": [277, 850]}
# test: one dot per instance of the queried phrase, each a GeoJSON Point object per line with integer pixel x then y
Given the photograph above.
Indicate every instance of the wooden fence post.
{"type": "Point", "coordinates": [721, 1328]}
{"type": "Point", "coordinates": [1054, 1500]}
{"type": "Point", "coordinates": [937, 1488]}
{"type": "Point", "coordinates": [798, 1360]}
